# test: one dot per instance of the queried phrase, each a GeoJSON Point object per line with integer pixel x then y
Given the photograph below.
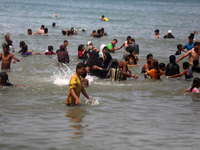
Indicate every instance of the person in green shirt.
{"type": "Point", "coordinates": [111, 46]}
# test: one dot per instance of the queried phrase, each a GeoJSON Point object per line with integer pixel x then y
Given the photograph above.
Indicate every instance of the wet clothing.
{"type": "Point", "coordinates": [172, 67]}
{"type": "Point", "coordinates": [80, 55]}
{"type": "Point", "coordinates": [194, 90]}
{"type": "Point", "coordinates": [63, 56]}
{"type": "Point", "coordinates": [195, 69]}
{"type": "Point", "coordinates": [188, 46]}
{"type": "Point", "coordinates": [49, 53]}
{"type": "Point", "coordinates": [154, 73]}
{"type": "Point", "coordinates": [115, 74]}
{"type": "Point", "coordinates": [166, 36]}
{"type": "Point", "coordinates": [132, 47]}
{"type": "Point", "coordinates": [26, 53]}
{"type": "Point", "coordinates": [76, 83]}
{"type": "Point", "coordinates": [110, 46]}
{"type": "Point", "coordinates": [190, 74]}
{"type": "Point", "coordinates": [178, 52]}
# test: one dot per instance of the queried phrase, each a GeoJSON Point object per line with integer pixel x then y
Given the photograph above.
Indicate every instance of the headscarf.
{"type": "Point", "coordinates": [109, 58]}
{"type": "Point", "coordinates": [172, 59]}
{"type": "Point", "coordinates": [101, 50]}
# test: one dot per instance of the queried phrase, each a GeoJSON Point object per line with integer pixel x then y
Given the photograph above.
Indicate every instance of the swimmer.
{"type": "Point", "coordinates": [50, 51]}
{"type": "Point", "coordinates": [21, 45]}
{"type": "Point", "coordinates": [162, 66]}
{"type": "Point", "coordinates": [195, 32]}
{"type": "Point", "coordinates": [26, 53]}
{"type": "Point", "coordinates": [195, 67]}
{"type": "Point", "coordinates": [125, 44]}
{"type": "Point", "coordinates": [45, 31]}
{"type": "Point", "coordinates": [40, 31]}
{"type": "Point", "coordinates": [194, 87]}
{"type": "Point", "coordinates": [111, 46]}
{"type": "Point", "coordinates": [189, 45]}
{"type": "Point", "coordinates": [4, 80]}
{"type": "Point", "coordinates": [76, 87]}
{"type": "Point", "coordinates": [169, 35]}
{"type": "Point", "coordinates": [64, 32]}
{"type": "Point", "coordinates": [29, 32]}
{"type": "Point", "coordinates": [187, 72]}
{"type": "Point", "coordinates": [53, 24]}
{"type": "Point", "coordinates": [148, 65]}
{"type": "Point", "coordinates": [193, 54]}
{"type": "Point", "coordinates": [180, 48]}
{"type": "Point", "coordinates": [94, 32]}
{"type": "Point", "coordinates": [6, 58]}
{"type": "Point", "coordinates": [62, 55]}
{"type": "Point", "coordinates": [172, 67]}
{"type": "Point", "coordinates": [7, 37]}
{"type": "Point", "coordinates": [65, 43]}
{"type": "Point", "coordinates": [155, 72]}
{"type": "Point", "coordinates": [157, 34]}
{"type": "Point", "coordinates": [81, 52]}
{"type": "Point", "coordinates": [103, 18]}
{"type": "Point", "coordinates": [55, 15]}
{"type": "Point", "coordinates": [103, 33]}
{"type": "Point", "coordinates": [11, 48]}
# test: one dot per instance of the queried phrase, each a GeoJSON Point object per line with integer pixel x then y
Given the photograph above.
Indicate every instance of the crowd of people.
{"type": "Point", "coordinates": [101, 64]}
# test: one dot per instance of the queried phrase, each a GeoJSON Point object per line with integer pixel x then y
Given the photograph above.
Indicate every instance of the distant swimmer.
{"type": "Point", "coordinates": [157, 34]}
{"type": "Point", "coordinates": [194, 87]}
{"type": "Point", "coordinates": [104, 18]}
{"type": "Point", "coordinates": [50, 51]}
{"type": "Point", "coordinates": [29, 32]}
{"type": "Point", "coordinates": [40, 31]}
{"type": "Point", "coordinates": [53, 24]}
{"type": "Point", "coordinates": [6, 58]}
{"type": "Point", "coordinates": [55, 15]}
{"type": "Point", "coordinates": [25, 51]}
{"type": "Point", "coordinates": [169, 35]}
{"type": "Point", "coordinates": [76, 87]}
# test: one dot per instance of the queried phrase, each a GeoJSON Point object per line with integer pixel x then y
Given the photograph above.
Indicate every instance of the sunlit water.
{"type": "Point", "coordinates": [132, 114]}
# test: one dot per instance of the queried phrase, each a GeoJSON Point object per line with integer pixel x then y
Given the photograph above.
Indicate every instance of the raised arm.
{"type": "Point", "coordinates": [120, 46]}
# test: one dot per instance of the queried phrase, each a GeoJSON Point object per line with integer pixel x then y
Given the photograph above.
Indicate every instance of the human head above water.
{"type": "Point", "coordinates": [80, 68]}
{"type": "Point", "coordinates": [80, 47]}
{"type": "Point", "coordinates": [114, 41]}
{"type": "Point", "coordinates": [179, 46]}
{"type": "Point", "coordinates": [29, 32]}
{"type": "Point", "coordinates": [50, 48]}
{"type": "Point", "coordinates": [53, 24]}
{"type": "Point", "coordinates": [4, 77]}
{"type": "Point", "coordinates": [195, 62]}
{"type": "Point", "coordinates": [186, 65]}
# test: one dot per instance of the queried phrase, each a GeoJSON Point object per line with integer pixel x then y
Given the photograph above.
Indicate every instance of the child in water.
{"type": "Point", "coordinates": [26, 53]}
{"type": "Point", "coordinates": [187, 72]}
{"type": "Point", "coordinates": [4, 80]}
{"type": "Point", "coordinates": [195, 86]}
{"type": "Point", "coordinates": [155, 73]}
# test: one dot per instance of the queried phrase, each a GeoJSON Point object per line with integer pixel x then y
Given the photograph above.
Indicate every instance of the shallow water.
{"type": "Point", "coordinates": [132, 114]}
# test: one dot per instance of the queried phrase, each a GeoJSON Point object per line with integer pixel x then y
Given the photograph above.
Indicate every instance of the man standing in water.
{"type": "Point", "coordinates": [76, 87]}
{"type": "Point", "coordinates": [193, 54]}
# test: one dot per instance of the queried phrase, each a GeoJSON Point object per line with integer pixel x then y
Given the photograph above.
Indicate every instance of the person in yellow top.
{"type": "Point", "coordinates": [104, 18]}
{"type": "Point", "coordinates": [76, 87]}
{"type": "Point", "coordinates": [155, 73]}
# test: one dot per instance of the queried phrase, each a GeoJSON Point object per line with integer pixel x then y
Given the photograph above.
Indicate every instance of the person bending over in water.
{"type": "Point", "coordinates": [194, 87]}
{"type": "Point", "coordinates": [26, 53]}
{"type": "Point", "coordinates": [180, 48]}
{"type": "Point", "coordinates": [62, 54]}
{"type": "Point", "coordinates": [76, 87]}
{"type": "Point", "coordinates": [4, 80]}
{"type": "Point", "coordinates": [155, 73]}
{"type": "Point", "coordinates": [148, 65]}
{"type": "Point", "coordinates": [187, 72]}
{"type": "Point", "coordinates": [193, 54]}
{"type": "Point", "coordinates": [6, 58]}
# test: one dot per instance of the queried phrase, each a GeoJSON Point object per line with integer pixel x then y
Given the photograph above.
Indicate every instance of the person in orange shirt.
{"type": "Point", "coordinates": [155, 73]}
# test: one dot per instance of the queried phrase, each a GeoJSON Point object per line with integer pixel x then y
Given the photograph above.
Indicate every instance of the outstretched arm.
{"type": "Point", "coordinates": [183, 56]}
{"type": "Point", "coordinates": [120, 46]}
{"type": "Point", "coordinates": [177, 75]}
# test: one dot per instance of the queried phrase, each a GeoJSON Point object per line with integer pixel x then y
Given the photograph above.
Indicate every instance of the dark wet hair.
{"type": "Point", "coordinates": [161, 65]}
{"type": "Point", "coordinates": [128, 37]}
{"type": "Point", "coordinates": [42, 26]}
{"type": "Point", "coordinates": [196, 43]}
{"type": "Point", "coordinates": [29, 30]}
{"type": "Point", "coordinates": [64, 32]}
{"type": "Point", "coordinates": [149, 55]}
{"type": "Point", "coordinates": [80, 47]}
{"type": "Point", "coordinates": [156, 30]}
{"type": "Point", "coordinates": [45, 30]}
{"type": "Point", "coordinates": [132, 39]}
{"type": "Point", "coordinates": [195, 62]}
{"type": "Point", "coordinates": [22, 43]}
{"type": "Point", "coordinates": [94, 31]}
{"type": "Point", "coordinates": [24, 49]}
{"type": "Point", "coordinates": [6, 36]}
{"type": "Point", "coordinates": [186, 65]}
{"type": "Point", "coordinates": [190, 37]}
{"type": "Point", "coordinates": [179, 45]}
{"type": "Point", "coordinates": [99, 31]}
{"type": "Point", "coordinates": [4, 76]}
{"type": "Point", "coordinates": [65, 41]}
{"type": "Point", "coordinates": [6, 46]}
{"type": "Point", "coordinates": [80, 65]}
{"type": "Point", "coordinates": [155, 66]}
{"type": "Point", "coordinates": [53, 24]}
{"type": "Point", "coordinates": [103, 16]}
{"type": "Point", "coordinates": [195, 83]}
{"type": "Point", "coordinates": [50, 48]}
{"type": "Point", "coordinates": [115, 40]}
{"type": "Point", "coordinates": [102, 28]}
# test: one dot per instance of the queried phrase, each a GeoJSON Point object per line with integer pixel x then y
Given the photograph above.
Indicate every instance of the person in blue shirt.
{"type": "Point", "coordinates": [189, 45]}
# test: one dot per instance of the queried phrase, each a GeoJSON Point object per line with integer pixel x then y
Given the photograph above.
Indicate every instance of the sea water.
{"type": "Point", "coordinates": [132, 114]}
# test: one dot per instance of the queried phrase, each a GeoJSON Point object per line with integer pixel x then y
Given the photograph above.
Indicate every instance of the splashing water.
{"type": "Point", "coordinates": [93, 102]}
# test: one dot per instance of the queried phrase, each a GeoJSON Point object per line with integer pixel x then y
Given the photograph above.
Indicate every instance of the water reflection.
{"type": "Point", "coordinates": [76, 115]}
